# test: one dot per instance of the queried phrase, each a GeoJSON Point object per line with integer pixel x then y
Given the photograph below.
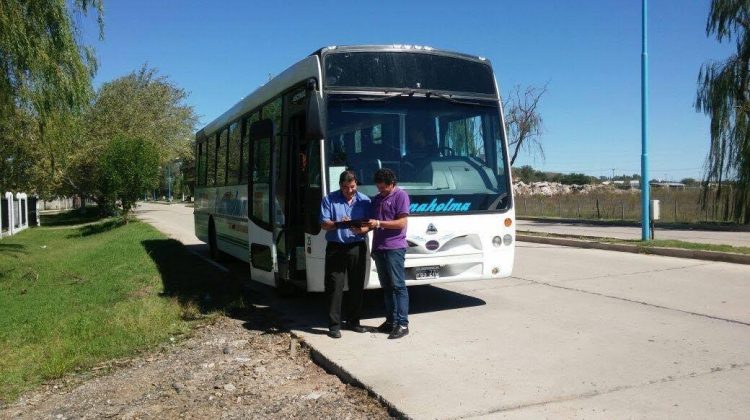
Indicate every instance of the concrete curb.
{"type": "Point", "coordinates": [708, 227]}
{"type": "Point", "coordinates": [638, 249]}
{"type": "Point", "coordinates": [346, 377]}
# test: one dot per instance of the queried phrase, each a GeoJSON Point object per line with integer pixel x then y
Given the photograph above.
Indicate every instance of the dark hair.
{"type": "Point", "coordinates": [347, 177]}
{"type": "Point", "coordinates": [386, 176]}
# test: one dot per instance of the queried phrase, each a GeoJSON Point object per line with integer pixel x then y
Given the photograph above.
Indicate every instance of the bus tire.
{"type": "Point", "coordinates": [213, 247]}
{"type": "Point", "coordinates": [285, 288]}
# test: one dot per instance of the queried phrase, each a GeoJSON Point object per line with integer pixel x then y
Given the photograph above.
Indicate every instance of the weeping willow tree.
{"type": "Point", "coordinates": [724, 95]}
{"type": "Point", "coordinates": [523, 121]}
{"type": "Point", "coordinates": [45, 80]}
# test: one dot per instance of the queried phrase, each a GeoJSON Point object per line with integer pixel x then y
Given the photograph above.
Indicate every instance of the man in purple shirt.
{"type": "Point", "coordinates": [390, 209]}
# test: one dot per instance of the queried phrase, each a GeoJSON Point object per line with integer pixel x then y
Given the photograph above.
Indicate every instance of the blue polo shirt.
{"type": "Point", "coordinates": [334, 208]}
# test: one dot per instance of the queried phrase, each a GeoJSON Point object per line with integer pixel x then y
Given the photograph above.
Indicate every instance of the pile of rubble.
{"type": "Point", "coordinates": [554, 188]}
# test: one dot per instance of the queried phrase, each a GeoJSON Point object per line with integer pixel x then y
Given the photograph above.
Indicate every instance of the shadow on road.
{"type": "Point", "coordinates": [196, 282]}
{"type": "Point", "coordinates": [308, 311]}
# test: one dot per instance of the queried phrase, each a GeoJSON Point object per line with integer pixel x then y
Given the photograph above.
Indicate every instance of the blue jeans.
{"type": "Point", "coordinates": [390, 265]}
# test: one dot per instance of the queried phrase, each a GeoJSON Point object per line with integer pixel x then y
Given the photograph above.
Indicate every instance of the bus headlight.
{"type": "Point", "coordinates": [497, 241]}
{"type": "Point", "coordinates": [507, 239]}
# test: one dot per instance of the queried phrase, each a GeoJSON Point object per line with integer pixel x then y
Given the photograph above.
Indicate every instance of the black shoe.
{"type": "Point", "coordinates": [385, 327]}
{"type": "Point", "coordinates": [334, 333]}
{"type": "Point", "coordinates": [398, 332]}
{"type": "Point", "coordinates": [356, 327]}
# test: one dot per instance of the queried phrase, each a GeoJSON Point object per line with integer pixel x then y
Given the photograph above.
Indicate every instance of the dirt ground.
{"type": "Point", "coordinates": [230, 368]}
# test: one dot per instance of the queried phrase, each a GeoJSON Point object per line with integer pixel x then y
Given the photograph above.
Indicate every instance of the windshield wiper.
{"type": "Point", "coordinates": [450, 98]}
{"type": "Point", "coordinates": [388, 95]}
{"type": "Point", "coordinates": [376, 97]}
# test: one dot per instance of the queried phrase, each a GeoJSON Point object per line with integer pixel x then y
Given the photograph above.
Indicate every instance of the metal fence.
{"type": "Point", "coordinates": [682, 206]}
{"type": "Point", "coordinates": [63, 203]}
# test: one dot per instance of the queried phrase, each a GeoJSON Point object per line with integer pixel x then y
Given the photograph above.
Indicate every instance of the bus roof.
{"type": "Point", "coordinates": [299, 72]}
{"type": "Point", "coordinates": [310, 67]}
{"type": "Point", "coordinates": [398, 47]}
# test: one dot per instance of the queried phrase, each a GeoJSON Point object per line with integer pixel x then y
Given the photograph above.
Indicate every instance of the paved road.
{"type": "Point", "coordinates": [625, 232]}
{"type": "Point", "coordinates": [176, 220]}
{"type": "Point", "coordinates": [575, 333]}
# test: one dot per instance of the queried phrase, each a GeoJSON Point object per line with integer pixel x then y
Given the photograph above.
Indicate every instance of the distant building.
{"type": "Point", "coordinates": [669, 185]}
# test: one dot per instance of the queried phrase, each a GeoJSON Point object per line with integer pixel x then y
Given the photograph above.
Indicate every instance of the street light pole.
{"type": "Point", "coordinates": [645, 187]}
{"type": "Point", "coordinates": [169, 184]}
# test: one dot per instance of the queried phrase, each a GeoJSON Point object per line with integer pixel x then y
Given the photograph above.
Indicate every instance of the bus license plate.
{"type": "Point", "coordinates": [426, 273]}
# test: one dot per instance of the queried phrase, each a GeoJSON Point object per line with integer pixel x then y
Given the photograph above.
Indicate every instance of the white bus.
{"type": "Point", "coordinates": [434, 117]}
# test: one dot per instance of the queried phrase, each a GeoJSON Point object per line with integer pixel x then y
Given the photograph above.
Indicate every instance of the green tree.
{"type": "Point", "coordinates": [524, 173]}
{"type": "Point", "coordinates": [690, 182]}
{"type": "Point", "coordinates": [575, 178]}
{"type": "Point", "coordinates": [141, 105]}
{"type": "Point", "coordinates": [45, 74]}
{"type": "Point", "coordinates": [145, 105]}
{"type": "Point", "coordinates": [724, 95]}
{"type": "Point", "coordinates": [128, 167]}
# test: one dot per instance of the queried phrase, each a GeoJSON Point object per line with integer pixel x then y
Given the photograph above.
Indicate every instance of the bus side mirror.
{"type": "Point", "coordinates": [315, 122]}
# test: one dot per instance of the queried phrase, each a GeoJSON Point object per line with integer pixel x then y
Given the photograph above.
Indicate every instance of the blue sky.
{"type": "Point", "coordinates": [588, 51]}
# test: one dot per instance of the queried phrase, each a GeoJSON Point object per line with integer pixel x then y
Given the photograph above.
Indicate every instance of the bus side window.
{"type": "Point", "coordinates": [314, 192]}
{"type": "Point", "coordinates": [211, 161]}
{"type": "Point", "coordinates": [246, 170]}
{"type": "Point", "coordinates": [234, 156]}
{"type": "Point", "coordinates": [260, 168]}
{"type": "Point", "coordinates": [199, 179]}
{"type": "Point", "coordinates": [221, 159]}
{"type": "Point", "coordinates": [244, 152]}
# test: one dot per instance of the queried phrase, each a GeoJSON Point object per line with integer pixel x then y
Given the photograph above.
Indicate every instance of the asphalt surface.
{"type": "Point", "coordinates": [575, 333]}
{"type": "Point", "coordinates": [625, 232]}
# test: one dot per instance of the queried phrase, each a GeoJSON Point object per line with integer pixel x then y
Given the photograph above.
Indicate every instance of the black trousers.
{"type": "Point", "coordinates": [345, 262]}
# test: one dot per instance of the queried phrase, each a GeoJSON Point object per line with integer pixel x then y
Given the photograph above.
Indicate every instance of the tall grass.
{"type": "Point", "coordinates": [679, 206]}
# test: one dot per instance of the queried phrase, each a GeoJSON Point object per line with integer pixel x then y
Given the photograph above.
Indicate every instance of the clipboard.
{"type": "Point", "coordinates": [346, 224]}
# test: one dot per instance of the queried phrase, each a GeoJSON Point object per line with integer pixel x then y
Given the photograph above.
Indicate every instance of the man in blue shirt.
{"type": "Point", "coordinates": [346, 252]}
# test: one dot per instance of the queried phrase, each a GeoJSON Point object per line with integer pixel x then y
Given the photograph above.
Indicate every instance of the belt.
{"type": "Point", "coordinates": [345, 244]}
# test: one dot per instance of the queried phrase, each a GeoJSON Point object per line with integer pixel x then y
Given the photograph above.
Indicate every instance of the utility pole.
{"type": "Point", "coordinates": [645, 187]}
{"type": "Point", "coordinates": [169, 183]}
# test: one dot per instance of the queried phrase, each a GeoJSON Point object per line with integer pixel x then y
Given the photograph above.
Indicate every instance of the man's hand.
{"type": "Point", "coordinates": [360, 230]}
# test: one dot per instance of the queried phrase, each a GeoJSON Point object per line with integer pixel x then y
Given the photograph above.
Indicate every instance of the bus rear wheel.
{"type": "Point", "coordinates": [213, 248]}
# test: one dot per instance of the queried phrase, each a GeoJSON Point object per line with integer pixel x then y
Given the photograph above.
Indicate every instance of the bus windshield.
{"type": "Point", "coordinates": [448, 155]}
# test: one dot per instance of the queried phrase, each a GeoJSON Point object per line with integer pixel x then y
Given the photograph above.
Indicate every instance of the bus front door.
{"type": "Point", "coordinates": [263, 265]}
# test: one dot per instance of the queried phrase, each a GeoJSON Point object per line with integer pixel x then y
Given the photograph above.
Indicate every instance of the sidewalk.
{"type": "Point", "coordinates": [659, 338]}
{"type": "Point", "coordinates": [582, 235]}
{"type": "Point", "coordinates": [634, 233]}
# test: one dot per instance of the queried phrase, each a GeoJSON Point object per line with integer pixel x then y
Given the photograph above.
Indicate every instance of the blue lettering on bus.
{"type": "Point", "coordinates": [435, 206]}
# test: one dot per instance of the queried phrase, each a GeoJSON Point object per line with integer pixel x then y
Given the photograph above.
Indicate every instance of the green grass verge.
{"type": "Point", "coordinates": [664, 243]}
{"type": "Point", "coordinates": [73, 297]}
{"type": "Point", "coordinates": [659, 243]}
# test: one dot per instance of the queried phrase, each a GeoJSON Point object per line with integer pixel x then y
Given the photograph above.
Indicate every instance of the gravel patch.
{"type": "Point", "coordinates": [231, 368]}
